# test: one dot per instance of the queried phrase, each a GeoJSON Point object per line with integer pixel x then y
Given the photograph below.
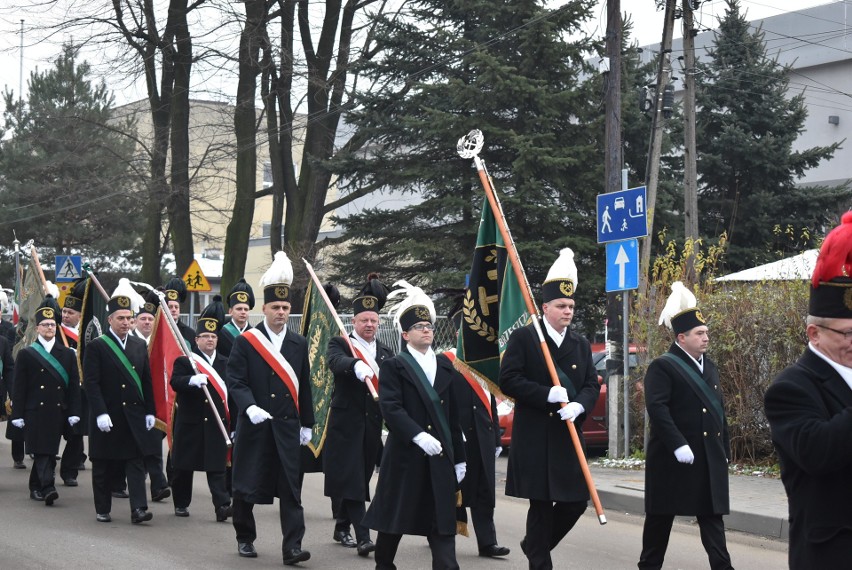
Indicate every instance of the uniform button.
{"type": "Point", "coordinates": [122, 385]}
{"type": "Point", "coordinates": [125, 403]}
{"type": "Point", "coordinates": [42, 387]}
{"type": "Point", "coordinates": [58, 405]}
{"type": "Point", "coordinates": [550, 414]}
{"type": "Point", "coordinates": [287, 395]}
{"type": "Point", "coordinates": [273, 395]}
{"type": "Point", "coordinates": [441, 454]}
{"type": "Point", "coordinates": [205, 419]}
{"type": "Point", "coordinates": [428, 427]}
{"type": "Point", "coordinates": [442, 401]}
{"type": "Point", "coordinates": [41, 403]}
{"type": "Point", "coordinates": [286, 417]}
{"type": "Point", "coordinates": [705, 434]}
{"type": "Point", "coordinates": [718, 434]}
{"type": "Point", "coordinates": [205, 400]}
{"type": "Point", "coordinates": [134, 368]}
{"type": "Point", "coordinates": [474, 406]}
{"type": "Point", "coordinates": [573, 367]}
{"type": "Point", "coordinates": [715, 387]}
{"type": "Point", "coordinates": [59, 387]}
{"type": "Point", "coordinates": [704, 410]}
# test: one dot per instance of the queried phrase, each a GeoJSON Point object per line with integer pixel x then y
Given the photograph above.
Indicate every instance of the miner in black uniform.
{"type": "Point", "coordinates": [354, 433]}
{"type": "Point", "coordinates": [197, 441]}
{"type": "Point", "coordinates": [686, 461]}
{"type": "Point", "coordinates": [424, 459]}
{"type": "Point", "coordinates": [543, 466]}
{"type": "Point", "coordinates": [73, 456]}
{"type": "Point", "coordinates": [269, 379]}
{"type": "Point", "coordinates": [117, 380]}
{"type": "Point", "coordinates": [46, 398]}
{"type": "Point", "coordinates": [240, 303]}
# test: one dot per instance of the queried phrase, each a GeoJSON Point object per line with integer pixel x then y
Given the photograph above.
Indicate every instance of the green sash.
{"type": "Point", "coordinates": [698, 382]}
{"type": "Point", "coordinates": [51, 361]}
{"type": "Point", "coordinates": [442, 422]}
{"type": "Point", "coordinates": [232, 330]}
{"type": "Point", "coordinates": [565, 381]}
{"type": "Point", "coordinates": [123, 359]}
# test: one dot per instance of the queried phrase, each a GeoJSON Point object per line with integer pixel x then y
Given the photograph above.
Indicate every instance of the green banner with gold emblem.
{"type": "Point", "coordinates": [318, 327]}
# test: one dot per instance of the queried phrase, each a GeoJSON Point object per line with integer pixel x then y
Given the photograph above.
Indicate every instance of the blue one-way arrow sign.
{"type": "Point", "coordinates": [622, 265]}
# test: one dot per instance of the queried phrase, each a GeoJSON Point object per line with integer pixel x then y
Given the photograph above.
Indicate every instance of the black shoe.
{"type": "Point", "coordinates": [296, 555]}
{"type": "Point", "coordinates": [365, 547]}
{"type": "Point", "coordinates": [120, 494]}
{"type": "Point", "coordinates": [50, 496]}
{"type": "Point", "coordinates": [140, 515]}
{"type": "Point", "coordinates": [71, 482]}
{"type": "Point", "coordinates": [524, 545]}
{"type": "Point", "coordinates": [223, 512]}
{"type": "Point", "coordinates": [104, 517]}
{"type": "Point", "coordinates": [161, 494]}
{"type": "Point", "coordinates": [181, 512]}
{"type": "Point", "coordinates": [344, 538]}
{"type": "Point", "coordinates": [494, 550]}
{"type": "Point", "coordinates": [36, 495]}
{"type": "Point", "coordinates": [82, 466]}
{"type": "Point", "coordinates": [19, 465]}
{"type": "Point", "coordinates": [246, 550]}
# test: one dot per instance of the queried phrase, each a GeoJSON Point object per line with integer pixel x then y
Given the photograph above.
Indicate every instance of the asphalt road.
{"type": "Point", "coordinates": [66, 535]}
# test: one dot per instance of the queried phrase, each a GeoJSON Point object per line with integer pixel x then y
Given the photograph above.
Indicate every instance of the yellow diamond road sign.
{"type": "Point", "coordinates": [195, 279]}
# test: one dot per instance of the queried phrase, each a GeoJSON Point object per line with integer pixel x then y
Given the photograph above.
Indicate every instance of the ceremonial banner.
{"type": "Point", "coordinates": [92, 321]}
{"type": "Point", "coordinates": [318, 327]}
{"type": "Point", "coordinates": [492, 308]}
{"type": "Point", "coordinates": [163, 349]}
{"type": "Point", "coordinates": [30, 297]}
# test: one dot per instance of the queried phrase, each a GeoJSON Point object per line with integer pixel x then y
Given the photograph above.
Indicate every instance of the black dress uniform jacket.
{"type": "Point", "coordinates": [354, 433]}
{"type": "Point", "coordinates": [416, 493]}
{"type": "Point", "coordinates": [188, 334]}
{"type": "Point", "coordinates": [542, 464]}
{"type": "Point", "coordinates": [43, 399]}
{"type": "Point", "coordinates": [226, 342]}
{"type": "Point", "coordinates": [6, 385]}
{"type": "Point", "coordinates": [197, 442]}
{"type": "Point", "coordinates": [809, 408]}
{"type": "Point", "coordinates": [681, 416]}
{"type": "Point", "coordinates": [251, 381]}
{"type": "Point", "coordinates": [110, 390]}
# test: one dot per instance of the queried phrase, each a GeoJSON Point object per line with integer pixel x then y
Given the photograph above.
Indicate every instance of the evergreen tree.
{"type": "Point", "coordinates": [66, 165]}
{"type": "Point", "coordinates": [507, 69]}
{"type": "Point", "coordinates": [747, 167]}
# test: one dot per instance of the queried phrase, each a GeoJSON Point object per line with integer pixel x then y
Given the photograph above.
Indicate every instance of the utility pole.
{"type": "Point", "coordinates": [652, 169]}
{"type": "Point", "coordinates": [612, 183]}
{"type": "Point", "coordinates": [690, 170]}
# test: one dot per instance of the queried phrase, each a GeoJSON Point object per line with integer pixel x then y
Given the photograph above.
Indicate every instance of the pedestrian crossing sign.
{"type": "Point", "coordinates": [195, 279]}
{"type": "Point", "coordinates": [68, 268]}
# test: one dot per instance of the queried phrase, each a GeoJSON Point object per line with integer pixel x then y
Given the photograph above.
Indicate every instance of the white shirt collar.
{"type": "Point", "coordinates": [844, 371]}
{"type": "Point", "coordinates": [123, 343]}
{"type": "Point", "coordinates": [370, 346]}
{"type": "Point", "coordinates": [276, 339]}
{"type": "Point", "coordinates": [210, 358]}
{"type": "Point", "coordinates": [699, 364]}
{"type": "Point", "coordinates": [427, 362]}
{"type": "Point", "coordinates": [556, 337]}
{"type": "Point", "coordinates": [47, 344]}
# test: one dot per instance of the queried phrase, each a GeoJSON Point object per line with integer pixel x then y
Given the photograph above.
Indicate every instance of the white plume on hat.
{"type": "Point", "coordinates": [279, 273]}
{"type": "Point", "coordinates": [4, 300]}
{"type": "Point", "coordinates": [680, 300]}
{"type": "Point", "coordinates": [411, 296]}
{"type": "Point", "coordinates": [563, 268]}
{"type": "Point", "coordinates": [51, 289]}
{"type": "Point", "coordinates": [125, 288]}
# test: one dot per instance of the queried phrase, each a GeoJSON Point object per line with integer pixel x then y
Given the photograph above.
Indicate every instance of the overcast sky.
{"type": "Point", "coordinates": [647, 29]}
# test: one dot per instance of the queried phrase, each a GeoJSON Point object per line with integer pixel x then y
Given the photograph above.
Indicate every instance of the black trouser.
{"type": "Point", "coordinates": [17, 451]}
{"type": "Point", "coordinates": [483, 526]}
{"type": "Point", "coordinates": [182, 488]}
{"type": "Point", "coordinates": [154, 468]}
{"type": "Point", "coordinates": [106, 474]}
{"type": "Point", "coordinates": [292, 521]}
{"type": "Point", "coordinates": [443, 547]}
{"type": "Point", "coordinates": [42, 474]}
{"type": "Point", "coordinates": [72, 457]}
{"type": "Point", "coordinates": [547, 525]}
{"type": "Point", "coordinates": [655, 540]}
{"type": "Point", "coordinates": [340, 516]}
{"type": "Point", "coordinates": [349, 511]}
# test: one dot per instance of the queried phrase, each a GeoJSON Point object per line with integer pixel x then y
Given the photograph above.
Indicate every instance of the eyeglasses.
{"type": "Point", "coordinates": [422, 327]}
{"type": "Point", "coordinates": [847, 335]}
{"type": "Point", "coordinates": [48, 325]}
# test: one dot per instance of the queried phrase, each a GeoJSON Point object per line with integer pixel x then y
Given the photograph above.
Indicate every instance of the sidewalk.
{"type": "Point", "coordinates": [758, 504]}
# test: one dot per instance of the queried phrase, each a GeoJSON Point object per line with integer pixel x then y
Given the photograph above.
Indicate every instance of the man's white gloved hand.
{"type": "Point", "coordinates": [304, 436]}
{"type": "Point", "coordinates": [428, 443]}
{"type": "Point", "coordinates": [498, 451]}
{"type": "Point", "coordinates": [557, 394]}
{"type": "Point", "coordinates": [684, 454]}
{"type": "Point", "coordinates": [104, 423]}
{"type": "Point", "coordinates": [72, 420]}
{"type": "Point", "coordinates": [461, 469]}
{"type": "Point", "coordinates": [257, 415]}
{"type": "Point", "coordinates": [198, 380]}
{"type": "Point", "coordinates": [362, 370]}
{"type": "Point", "coordinates": [19, 423]}
{"type": "Point", "coordinates": [571, 411]}
{"type": "Point", "coordinates": [150, 421]}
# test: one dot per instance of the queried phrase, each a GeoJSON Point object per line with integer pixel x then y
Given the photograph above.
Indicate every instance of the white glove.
{"type": "Point", "coordinates": [257, 414]}
{"type": "Point", "coordinates": [428, 443]}
{"type": "Point", "coordinates": [362, 370]}
{"type": "Point", "coordinates": [684, 454]}
{"type": "Point", "coordinates": [304, 435]}
{"type": "Point", "coordinates": [198, 380]}
{"type": "Point", "coordinates": [571, 411]}
{"type": "Point", "coordinates": [19, 423]}
{"type": "Point", "coordinates": [461, 469]}
{"type": "Point", "coordinates": [104, 423]}
{"type": "Point", "coordinates": [498, 451]}
{"type": "Point", "coordinates": [73, 420]}
{"type": "Point", "coordinates": [557, 394]}
{"type": "Point", "coordinates": [150, 421]}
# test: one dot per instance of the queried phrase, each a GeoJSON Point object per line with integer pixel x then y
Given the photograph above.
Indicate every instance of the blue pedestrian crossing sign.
{"type": "Point", "coordinates": [622, 215]}
{"type": "Point", "coordinates": [622, 265]}
{"type": "Point", "coordinates": [68, 268]}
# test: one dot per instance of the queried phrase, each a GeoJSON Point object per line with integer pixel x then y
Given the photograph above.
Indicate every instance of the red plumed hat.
{"type": "Point", "coordinates": [831, 284]}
